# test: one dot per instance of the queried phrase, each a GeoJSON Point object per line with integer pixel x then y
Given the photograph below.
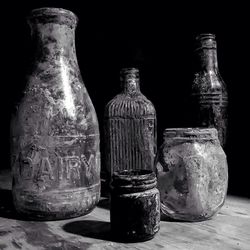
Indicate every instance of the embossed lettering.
{"type": "Point", "coordinates": [60, 168]}
{"type": "Point", "coordinates": [66, 167]}
{"type": "Point", "coordinates": [87, 164]}
{"type": "Point", "coordinates": [45, 169]}
{"type": "Point", "coordinates": [72, 167]}
{"type": "Point", "coordinates": [26, 168]}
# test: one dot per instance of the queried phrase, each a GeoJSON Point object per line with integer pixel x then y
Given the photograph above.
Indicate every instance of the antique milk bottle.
{"type": "Point", "coordinates": [209, 90]}
{"type": "Point", "coordinates": [54, 133]}
{"type": "Point", "coordinates": [130, 127]}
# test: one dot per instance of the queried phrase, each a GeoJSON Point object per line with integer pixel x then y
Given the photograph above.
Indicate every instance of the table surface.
{"type": "Point", "coordinates": [230, 229]}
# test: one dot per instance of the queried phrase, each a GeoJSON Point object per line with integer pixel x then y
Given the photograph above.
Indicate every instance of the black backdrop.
{"type": "Point", "coordinates": [158, 39]}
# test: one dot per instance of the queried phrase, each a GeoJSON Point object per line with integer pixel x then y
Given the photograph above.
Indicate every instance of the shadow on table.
{"type": "Point", "coordinates": [7, 209]}
{"type": "Point", "coordinates": [90, 228]}
{"type": "Point", "coordinates": [104, 203]}
{"type": "Point", "coordinates": [97, 230]}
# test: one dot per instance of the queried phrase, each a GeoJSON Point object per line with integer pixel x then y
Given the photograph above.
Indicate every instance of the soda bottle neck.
{"type": "Point", "coordinates": [206, 51]}
{"type": "Point", "coordinates": [208, 60]}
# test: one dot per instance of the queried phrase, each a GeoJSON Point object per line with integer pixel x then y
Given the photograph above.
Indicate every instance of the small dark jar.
{"type": "Point", "coordinates": [135, 205]}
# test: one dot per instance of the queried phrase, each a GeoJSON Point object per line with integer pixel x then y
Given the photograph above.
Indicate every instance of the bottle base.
{"type": "Point", "coordinates": [56, 205]}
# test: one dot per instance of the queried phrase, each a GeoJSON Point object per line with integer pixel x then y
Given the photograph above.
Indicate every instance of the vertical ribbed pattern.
{"type": "Point", "coordinates": [129, 136]}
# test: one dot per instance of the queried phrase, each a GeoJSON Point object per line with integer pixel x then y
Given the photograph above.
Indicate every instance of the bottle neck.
{"type": "Point", "coordinates": [51, 41]}
{"type": "Point", "coordinates": [207, 60]}
{"type": "Point", "coordinates": [130, 81]}
{"type": "Point", "coordinates": [206, 52]}
{"type": "Point", "coordinates": [53, 34]}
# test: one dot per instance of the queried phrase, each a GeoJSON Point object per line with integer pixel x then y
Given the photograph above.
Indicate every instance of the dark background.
{"type": "Point", "coordinates": [158, 39]}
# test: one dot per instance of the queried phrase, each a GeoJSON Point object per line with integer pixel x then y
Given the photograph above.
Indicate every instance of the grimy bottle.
{"type": "Point", "coordinates": [130, 127]}
{"type": "Point", "coordinates": [54, 133]}
{"type": "Point", "coordinates": [210, 98]}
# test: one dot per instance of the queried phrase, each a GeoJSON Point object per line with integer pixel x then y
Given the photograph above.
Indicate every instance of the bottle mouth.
{"type": "Point", "coordinates": [191, 133]}
{"type": "Point", "coordinates": [205, 41]}
{"type": "Point", "coordinates": [204, 36]}
{"type": "Point", "coordinates": [129, 71]}
{"type": "Point", "coordinates": [51, 12]}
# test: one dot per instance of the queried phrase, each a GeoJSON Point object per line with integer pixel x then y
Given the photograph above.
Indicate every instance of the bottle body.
{"type": "Point", "coordinates": [135, 205]}
{"type": "Point", "coordinates": [210, 98]}
{"type": "Point", "coordinates": [192, 174]}
{"type": "Point", "coordinates": [54, 133]}
{"type": "Point", "coordinates": [130, 127]}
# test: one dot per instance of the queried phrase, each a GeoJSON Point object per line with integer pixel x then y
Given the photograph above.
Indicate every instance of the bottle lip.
{"type": "Point", "coordinates": [198, 133]}
{"type": "Point", "coordinates": [205, 41]}
{"type": "Point", "coordinates": [52, 11]}
{"type": "Point", "coordinates": [129, 70]}
{"type": "Point", "coordinates": [204, 36]}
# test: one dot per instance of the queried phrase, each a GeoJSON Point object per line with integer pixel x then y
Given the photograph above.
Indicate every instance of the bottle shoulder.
{"type": "Point", "coordinates": [137, 98]}
{"type": "Point", "coordinates": [129, 106]}
{"type": "Point", "coordinates": [54, 110]}
{"type": "Point", "coordinates": [208, 82]}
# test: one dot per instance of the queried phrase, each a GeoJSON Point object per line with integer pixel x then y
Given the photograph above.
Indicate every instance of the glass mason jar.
{"type": "Point", "coordinates": [130, 127]}
{"type": "Point", "coordinates": [54, 133]}
{"type": "Point", "coordinates": [135, 205]}
{"type": "Point", "coordinates": [209, 92]}
{"type": "Point", "coordinates": [192, 174]}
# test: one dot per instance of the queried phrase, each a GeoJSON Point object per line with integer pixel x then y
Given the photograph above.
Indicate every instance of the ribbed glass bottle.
{"type": "Point", "coordinates": [130, 127]}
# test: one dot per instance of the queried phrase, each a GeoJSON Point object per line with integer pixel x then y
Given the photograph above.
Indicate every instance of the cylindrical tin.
{"type": "Point", "coordinates": [135, 205]}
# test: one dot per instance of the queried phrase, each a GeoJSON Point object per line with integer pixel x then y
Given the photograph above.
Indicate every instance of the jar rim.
{"type": "Point", "coordinates": [52, 11]}
{"type": "Point", "coordinates": [130, 181]}
{"type": "Point", "coordinates": [133, 173]}
{"type": "Point", "coordinates": [191, 133]}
